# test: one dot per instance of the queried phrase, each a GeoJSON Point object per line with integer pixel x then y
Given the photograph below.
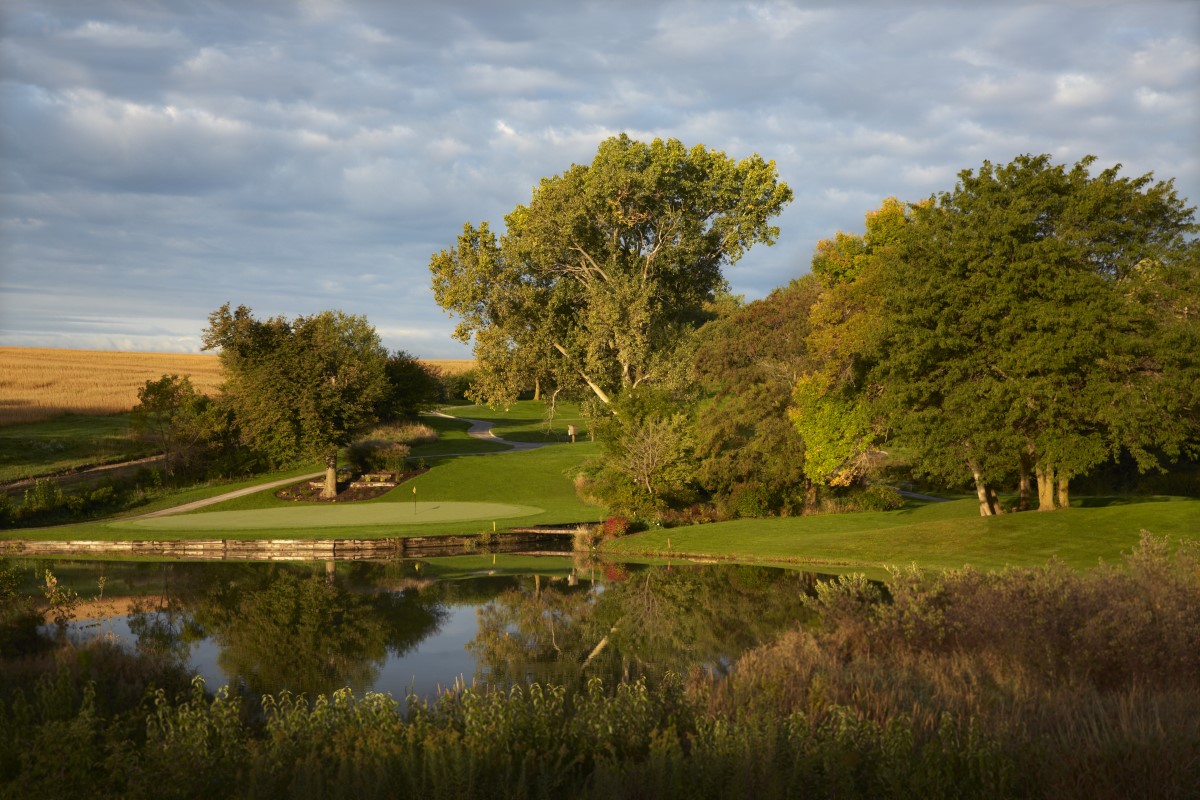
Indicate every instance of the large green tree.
{"type": "Point", "coordinates": [1019, 331]}
{"type": "Point", "coordinates": [598, 280]}
{"type": "Point", "coordinates": [750, 457]}
{"type": "Point", "coordinates": [301, 388]}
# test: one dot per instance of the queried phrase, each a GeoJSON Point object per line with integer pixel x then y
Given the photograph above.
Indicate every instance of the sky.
{"type": "Point", "coordinates": [159, 158]}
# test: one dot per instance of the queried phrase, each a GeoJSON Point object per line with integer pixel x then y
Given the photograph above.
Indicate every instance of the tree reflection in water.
{"type": "Point", "coordinates": [636, 623]}
{"type": "Point", "coordinates": [317, 628]}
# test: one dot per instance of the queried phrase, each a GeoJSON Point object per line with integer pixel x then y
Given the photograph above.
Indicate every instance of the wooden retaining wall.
{"type": "Point", "coordinates": [297, 549]}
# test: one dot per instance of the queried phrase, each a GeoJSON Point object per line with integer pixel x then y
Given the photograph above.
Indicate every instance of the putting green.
{"type": "Point", "coordinates": [335, 516]}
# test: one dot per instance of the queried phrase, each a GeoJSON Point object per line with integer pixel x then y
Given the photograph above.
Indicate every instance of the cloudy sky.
{"type": "Point", "coordinates": [159, 157]}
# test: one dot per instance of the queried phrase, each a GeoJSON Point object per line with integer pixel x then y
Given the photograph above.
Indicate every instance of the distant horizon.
{"type": "Point", "coordinates": [204, 353]}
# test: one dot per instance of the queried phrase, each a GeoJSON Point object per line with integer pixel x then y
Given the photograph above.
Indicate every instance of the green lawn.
{"type": "Point", "coordinates": [355, 515]}
{"type": "Point", "coordinates": [534, 487]}
{"type": "Point", "coordinates": [452, 439]}
{"type": "Point", "coordinates": [932, 535]}
{"type": "Point", "coordinates": [525, 421]}
{"type": "Point", "coordinates": [65, 443]}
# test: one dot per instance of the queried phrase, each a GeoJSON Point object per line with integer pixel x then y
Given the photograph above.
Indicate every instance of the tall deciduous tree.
{"type": "Point", "coordinates": [829, 400]}
{"type": "Point", "coordinates": [301, 388]}
{"type": "Point", "coordinates": [608, 268]}
{"type": "Point", "coordinates": [1019, 330]}
{"type": "Point", "coordinates": [750, 456]}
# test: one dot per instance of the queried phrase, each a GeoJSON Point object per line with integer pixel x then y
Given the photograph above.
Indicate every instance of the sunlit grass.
{"type": "Point", "coordinates": [932, 535]}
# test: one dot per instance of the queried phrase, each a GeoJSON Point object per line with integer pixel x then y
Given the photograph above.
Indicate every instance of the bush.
{"type": "Point", "coordinates": [410, 433]}
{"type": "Point", "coordinates": [878, 497]}
{"type": "Point", "coordinates": [375, 455]}
{"type": "Point", "coordinates": [456, 387]}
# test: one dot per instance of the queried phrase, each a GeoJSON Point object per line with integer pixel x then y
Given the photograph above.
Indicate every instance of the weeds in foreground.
{"type": "Point", "coordinates": [1025, 683]}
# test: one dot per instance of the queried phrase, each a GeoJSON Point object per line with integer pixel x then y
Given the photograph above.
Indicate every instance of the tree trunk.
{"type": "Point", "coordinates": [981, 491]}
{"type": "Point", "coordinates": [604, 398]}
{"type": "Point", "coordinates": [1045, 487]}
{"type": "Point", "coordinates": [537, 388]}
{"type": "Point", "coordinates": [1023, 486]}
{"type": "Point", "coordinates": [1064, 497]}
{"type": "Point", "coordinates": [997, 508]}
{"type": "Point", "coordinates": [329, 492]}
{"type": "Point", "coordinates": [810, 498]}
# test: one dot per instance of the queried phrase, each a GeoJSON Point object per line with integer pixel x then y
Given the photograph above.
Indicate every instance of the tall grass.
{"type": "Point", "coordinates": [1033, 682]}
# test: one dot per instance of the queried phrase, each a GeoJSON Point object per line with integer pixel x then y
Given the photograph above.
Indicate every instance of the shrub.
{"type": "Point", "coordinates": [410, 433]}
{"type": "Point", "coordinates": [456, 387]}
{"type": "Point", "coordinates": [375, 455]}
{"type": "Point", "coordinates": [614, 527]}
{"type": "Point", "coordinates": [878, 497]}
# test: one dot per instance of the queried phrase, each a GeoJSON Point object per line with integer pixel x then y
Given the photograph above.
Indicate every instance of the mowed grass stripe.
{"type": "Point", "coordinates": [333, 516]}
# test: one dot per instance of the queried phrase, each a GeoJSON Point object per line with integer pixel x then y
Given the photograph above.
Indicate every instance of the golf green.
{"type": "Point", "coordinates": [334, 516]}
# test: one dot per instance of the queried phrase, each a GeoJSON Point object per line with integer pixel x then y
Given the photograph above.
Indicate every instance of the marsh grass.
{"type": "Point", "coordinates": [1003, 685]}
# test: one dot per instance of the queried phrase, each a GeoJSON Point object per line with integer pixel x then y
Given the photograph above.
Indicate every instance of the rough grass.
{"type": "Point", "coordinates": [38, 384]}
{"type": "Point", "coordinates": [931, 535]}
{"type": "Point", "coordinates": [66, 443]}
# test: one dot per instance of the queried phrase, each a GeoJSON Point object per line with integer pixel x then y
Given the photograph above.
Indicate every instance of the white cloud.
{"type": "Point", "coordinates": [1076, 90]}
{"type": "Point", "coordinates": [297, 157]}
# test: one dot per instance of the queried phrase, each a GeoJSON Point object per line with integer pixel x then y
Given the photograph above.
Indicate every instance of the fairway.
{"type": "Point", "coordinates": [333, 516]}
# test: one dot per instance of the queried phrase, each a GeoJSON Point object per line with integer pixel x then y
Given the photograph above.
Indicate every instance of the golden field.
{"type": "Point", "coordinates": [38, 383]}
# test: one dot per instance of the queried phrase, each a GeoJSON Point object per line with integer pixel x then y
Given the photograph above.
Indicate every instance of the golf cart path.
{"type": "Point", "coordinates": [483, 431]}
{"type": "Point", "coordinates": [479, 430]}
{"type": "Point", "coordinates": [208, 501]}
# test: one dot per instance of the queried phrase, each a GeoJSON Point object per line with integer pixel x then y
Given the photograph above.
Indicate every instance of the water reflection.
{"type": "Point", "coordinates": [401, 626]}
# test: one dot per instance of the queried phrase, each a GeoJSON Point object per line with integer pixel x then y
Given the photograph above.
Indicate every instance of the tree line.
{"type": "Point", "coordinates": [296, 390]}
{"type": "Point", "coordinates": [1033, 323]}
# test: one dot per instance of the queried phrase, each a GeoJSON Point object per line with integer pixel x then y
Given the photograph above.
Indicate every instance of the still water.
{"type": "Point", "coordinates": [417, 626]}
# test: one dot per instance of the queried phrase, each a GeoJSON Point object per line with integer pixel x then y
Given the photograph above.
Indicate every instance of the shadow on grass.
{"type": "Point", "coordinates": [1104, 501]}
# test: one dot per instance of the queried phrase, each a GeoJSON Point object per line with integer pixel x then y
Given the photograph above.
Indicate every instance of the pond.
{"type": "Point", "coordinates": [408, 626]}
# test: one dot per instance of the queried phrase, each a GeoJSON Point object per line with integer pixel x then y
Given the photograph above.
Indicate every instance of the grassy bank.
{"type": "Point", "coordinates": [931, 535]}
{"type": "Point", "coordinates": [65, 443]}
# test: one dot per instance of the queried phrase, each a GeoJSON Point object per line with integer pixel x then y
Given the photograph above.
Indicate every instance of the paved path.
{"type": "Point", "coordinates": [221, 498]}
{"type": "Point", "coordinates": [483, 431]}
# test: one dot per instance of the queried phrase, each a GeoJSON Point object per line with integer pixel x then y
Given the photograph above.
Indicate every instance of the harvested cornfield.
{"type": "Point", "coordinates": [37, 384]}
{"type": "Point", "coordinates": [451, 366]}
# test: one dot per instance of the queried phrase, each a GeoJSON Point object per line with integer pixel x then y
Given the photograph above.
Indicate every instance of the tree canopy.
{"type": "Point", "coordinates": [301, 388]}
{"type": "Point", "coordinates": [597, 280]}
{"type": "Point", "coordinates": [1009, 326]}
